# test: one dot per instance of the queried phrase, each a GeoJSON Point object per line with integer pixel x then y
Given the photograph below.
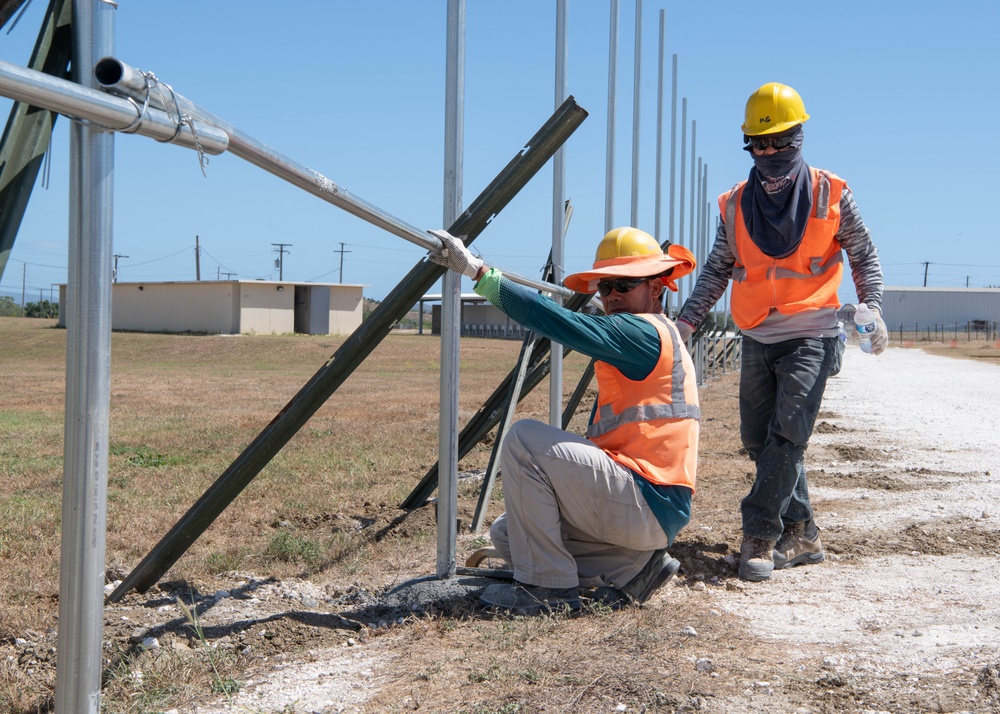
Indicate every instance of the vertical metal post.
{"type": "Point", "coordinates": [705, 216]}
{"type": "Point", "coordinates": [696, 224]}
{"type": "Point", "coordinates": [659, 148]}
{"type": "Point", "coordinates": [693, 244]}
{"type": "Point", "coordinates": [609, 170]}
{"type": "Point", "coordinates": [698, 243]}
{"type": "Point", "coordinates": [558, 218]}
{"type": "Point", "coordinates": [680, 214]}
{"type": "Point", "coordinates": [636, 87]}
{"type": "Point", "coordinates": [88, 383]}
{"type": "Point", "coordinates": [451, 295]}
{"type": "Point", "coordinates": [659, 133]}
{"type": "Point", "coordinates": [673, 147]}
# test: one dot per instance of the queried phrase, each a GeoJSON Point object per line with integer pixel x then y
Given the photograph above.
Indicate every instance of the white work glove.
{"type": "Point", "coordinates": [455, 256]}
{"type": "Point", "coordinates": [685, 329]}
{"type": "Point", "coordinates": [880, 337]}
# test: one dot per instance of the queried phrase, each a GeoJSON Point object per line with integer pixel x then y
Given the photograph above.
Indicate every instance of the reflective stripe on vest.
{"type": "Point", "coordinates": [807, 279]}
{"type": "Point", "coordinates": [608, 421]}
{"type": "Point", "coordinates": [655, 433]}
{"type": "Point", "coordinates": [822, 210]}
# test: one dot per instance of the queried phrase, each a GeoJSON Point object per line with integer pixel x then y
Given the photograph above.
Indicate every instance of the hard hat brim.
{"type": "Point", "coordinates": [634, 266]}
{"type": "Point", "coordinates": [775, 128]}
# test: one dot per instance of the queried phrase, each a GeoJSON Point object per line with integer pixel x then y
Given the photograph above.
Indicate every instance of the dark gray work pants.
{"type": "Point", "coordinates": [781, 389]}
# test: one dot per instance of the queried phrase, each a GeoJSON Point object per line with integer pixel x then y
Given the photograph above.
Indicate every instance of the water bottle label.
{"type": "Point", "coordinates": [866, 329]}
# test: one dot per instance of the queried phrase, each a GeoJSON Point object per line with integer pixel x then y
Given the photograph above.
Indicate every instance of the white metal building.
{"type": "Point", "coordinates": [952, 307]}
{"type": "Point", "coordinates": [233, 307]}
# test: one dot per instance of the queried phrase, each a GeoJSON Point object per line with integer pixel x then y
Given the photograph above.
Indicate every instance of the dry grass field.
{"type": "Point", "coordinates": [319, 534]}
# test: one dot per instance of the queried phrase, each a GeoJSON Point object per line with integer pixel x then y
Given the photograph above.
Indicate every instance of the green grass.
{"type": "Point", "coordinates": [144, 457]}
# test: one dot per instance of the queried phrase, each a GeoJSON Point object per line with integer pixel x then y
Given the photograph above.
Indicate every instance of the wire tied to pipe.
{"type": "Point", "coordinates": [179, 118]}
{"type": "Point", "coordinates": [150, 82]}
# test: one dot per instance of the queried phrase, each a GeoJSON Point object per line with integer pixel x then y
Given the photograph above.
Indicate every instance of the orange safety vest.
{"type": "Point", "coordinates": [651, 426]}
{"type": "Point", "coordinates": [805, 280]}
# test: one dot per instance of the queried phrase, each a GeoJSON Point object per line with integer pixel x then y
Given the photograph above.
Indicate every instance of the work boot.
{"type": "Point", "coordinates": [795, 547]}
{"type": "Point", "coordinates": [756, 562]}
{"type": "Point", "coordinates": [657, 573]}
{"type": "Point", "coordinates": [520, 599]}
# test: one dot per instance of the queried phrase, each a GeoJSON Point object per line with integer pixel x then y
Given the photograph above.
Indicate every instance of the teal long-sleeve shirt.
{"type": "Point", "coordinates": [625, 341]}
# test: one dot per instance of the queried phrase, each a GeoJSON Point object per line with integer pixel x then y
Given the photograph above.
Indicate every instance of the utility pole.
{"type": "Point", "coordinates": [197, 259]}
{"type": "Point", "coordinates": [341, 251]}
{"type": "Point", "coordinates": [280, 249]}
{"type": "Point", "coordinates": [24, 277]}
{"type": "Point", "coordinates": [114, 273]}
{"type": "Point", "coordinates": [926, 266]}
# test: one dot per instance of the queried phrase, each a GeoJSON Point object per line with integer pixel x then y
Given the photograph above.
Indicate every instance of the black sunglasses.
{"type": "Point", "coordinates": [622, 285]}
{"type": "Point", "coordinates": [760, 143]}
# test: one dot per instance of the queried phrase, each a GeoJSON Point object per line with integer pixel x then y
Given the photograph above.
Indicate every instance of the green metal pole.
{"type": "Point", "coordinates": [29, 129]}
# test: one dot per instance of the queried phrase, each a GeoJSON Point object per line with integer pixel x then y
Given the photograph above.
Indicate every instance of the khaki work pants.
{"type": "Point", "coordinates": [574, 515]}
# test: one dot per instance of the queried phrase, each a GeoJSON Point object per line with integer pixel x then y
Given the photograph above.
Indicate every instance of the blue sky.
{"type": "Point", "coordinates": [902, 97]}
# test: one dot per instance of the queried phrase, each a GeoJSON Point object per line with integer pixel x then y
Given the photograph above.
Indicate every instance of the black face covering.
{"type": "Point", "coordinates": [777, 200]}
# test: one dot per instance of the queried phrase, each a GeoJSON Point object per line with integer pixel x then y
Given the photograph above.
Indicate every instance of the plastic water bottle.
{"type": "Point", "coordinates": [841, 332]}
{"type": "Point", "coordinates": [864, 321]}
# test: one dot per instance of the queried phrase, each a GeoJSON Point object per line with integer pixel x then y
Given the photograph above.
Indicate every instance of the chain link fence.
{"type": "Point", "coordinates": [970, 331]}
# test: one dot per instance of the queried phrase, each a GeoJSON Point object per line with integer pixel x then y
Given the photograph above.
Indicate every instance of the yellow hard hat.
{"type": "Point", "coordinates": [772, 109]}
{"type": "Point", "coordinates": [626, 242]}
{"type": "Point", "coordinates": [632, 253]}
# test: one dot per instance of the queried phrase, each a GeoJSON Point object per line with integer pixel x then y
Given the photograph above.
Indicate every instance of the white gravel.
{"type": "Point", "coordinates": [909, 613]}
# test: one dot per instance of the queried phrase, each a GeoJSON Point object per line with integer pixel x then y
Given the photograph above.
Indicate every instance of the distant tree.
{"type": "Point", "coordinates": [9, 308]}
{"type": "Point", "coordinates": [41, 309]}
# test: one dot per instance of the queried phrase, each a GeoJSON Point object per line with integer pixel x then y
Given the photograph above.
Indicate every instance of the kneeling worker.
{"type": "Point", "coordinates": [598, 511]}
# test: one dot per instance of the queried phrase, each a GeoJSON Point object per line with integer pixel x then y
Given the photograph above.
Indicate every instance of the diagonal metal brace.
{"type": "Point", "coordinates": [349, 355]}
{"type": "Point", "coordinates": [29, 129]}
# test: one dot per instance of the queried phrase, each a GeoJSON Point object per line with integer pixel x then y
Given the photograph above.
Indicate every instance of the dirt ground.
{"type": "Point", "coordinates": [904, 615]}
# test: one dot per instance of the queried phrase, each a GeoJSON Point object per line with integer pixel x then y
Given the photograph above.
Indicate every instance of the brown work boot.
{"type": "Point", "coordinates": [756, 561]}
{"type": "Point", "coordinates": [795, 547]}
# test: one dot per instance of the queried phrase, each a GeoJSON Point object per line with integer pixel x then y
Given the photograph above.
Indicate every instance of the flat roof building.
{"type": "Point", "coordinates": [233, 307]}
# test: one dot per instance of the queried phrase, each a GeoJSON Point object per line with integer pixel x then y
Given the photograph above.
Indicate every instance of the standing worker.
{"type": "Point", "coordinates": [598, 511]}
{"type": "Point", "coordinates": [780, 241]}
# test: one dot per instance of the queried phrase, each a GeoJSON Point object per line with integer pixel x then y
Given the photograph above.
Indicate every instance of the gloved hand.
{"type": "Point", "coordinates": [455, 256]}
{"type": "Point", "coordinates": [880, 337]}
{"type": "Point", "coordinates": [685, 329]}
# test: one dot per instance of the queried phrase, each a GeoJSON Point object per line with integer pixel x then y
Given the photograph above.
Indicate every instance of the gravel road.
{"type": "Point", "coordinates": [907, 613]}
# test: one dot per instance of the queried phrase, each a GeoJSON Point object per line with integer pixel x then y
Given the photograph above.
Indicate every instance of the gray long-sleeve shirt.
{"type": "Point", "coordinates": [866, 271]}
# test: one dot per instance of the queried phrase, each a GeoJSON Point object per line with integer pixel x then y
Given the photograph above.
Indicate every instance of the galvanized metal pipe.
{"type": "Point", "coordinates": [558, 215]}
{"type": "Point", "coordinates": [673, 149]}
{"type": "Point", "coordinates": [113, 113]}
{"type": "Point", "coordinates": [609, 163]}
{"type": "Point", "coordinates": [451, 295]}
{"type": "Point", "coordinates": [636, 87]}
{"type": "Point", "coordinates": [680, 213]}
{"type": "Point", "coordinates": [659, 150]}
{"type": "Point", "coordinates": [88, 387]}
{"type": "Point", "coordinates": [115, 75]}
{"type": "Point", "coordinates": [693, 243]}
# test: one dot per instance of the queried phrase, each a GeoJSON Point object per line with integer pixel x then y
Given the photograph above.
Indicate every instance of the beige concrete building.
{"type": "Point", "coordinates": [233, 307]}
